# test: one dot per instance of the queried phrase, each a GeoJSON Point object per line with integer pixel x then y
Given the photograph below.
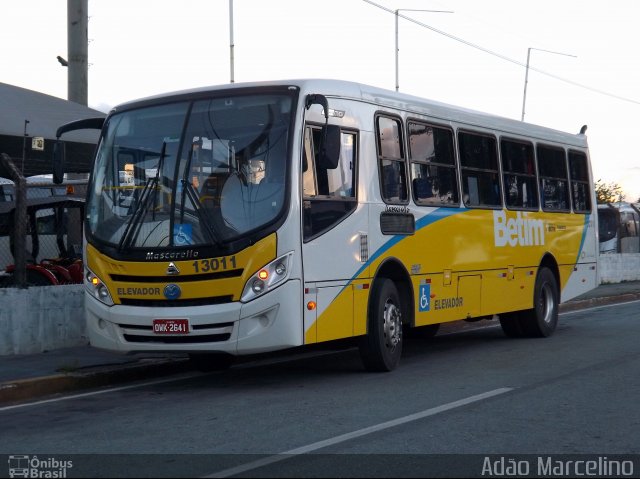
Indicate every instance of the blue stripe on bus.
{"type": "Point", "coordinates": [426, 220]}
{"type": "Point", "coordinates": [584, 235]}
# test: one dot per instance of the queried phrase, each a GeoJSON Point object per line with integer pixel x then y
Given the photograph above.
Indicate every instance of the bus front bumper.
{"type": "Point", "coordinates": [268, 323]}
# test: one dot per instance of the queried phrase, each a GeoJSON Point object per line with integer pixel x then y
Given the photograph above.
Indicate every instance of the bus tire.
{"type": "Point", "coordinates": [511, 325]}
{"type": "Point", "coordinates": [206, 363]}
{"type": "Point", "coordinates": [541, 321]}
{"type": "Point", "coordinates": [381, 348]}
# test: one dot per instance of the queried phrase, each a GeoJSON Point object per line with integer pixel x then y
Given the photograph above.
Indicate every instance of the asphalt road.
{"type": "Point", "coordinates": [454, 400]}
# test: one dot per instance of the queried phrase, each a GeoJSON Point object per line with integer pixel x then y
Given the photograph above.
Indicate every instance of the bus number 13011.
{"type": "Point", "coordinates": [214, 264]}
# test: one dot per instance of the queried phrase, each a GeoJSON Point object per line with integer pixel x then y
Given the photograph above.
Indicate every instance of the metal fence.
{"type": "Point", "coordinates": [40, 229]}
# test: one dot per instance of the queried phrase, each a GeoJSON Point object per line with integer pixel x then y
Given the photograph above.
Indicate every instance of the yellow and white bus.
{"type": "Point", "coordinates": [249, 218]}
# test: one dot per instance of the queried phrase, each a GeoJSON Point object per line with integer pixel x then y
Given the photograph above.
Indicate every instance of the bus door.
{"type": "Point", "coordinates": [332, 231]}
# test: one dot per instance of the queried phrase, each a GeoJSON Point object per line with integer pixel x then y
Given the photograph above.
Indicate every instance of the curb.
{"type": "Point", "coordinates": [99, 376]}
{"type": "Point", "coordinates": [599, 301]}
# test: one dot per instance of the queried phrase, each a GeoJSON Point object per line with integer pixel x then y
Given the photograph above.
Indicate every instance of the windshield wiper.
{"type": "Point", "coordinates": [190, 191]}
{"type": "Point", "coordinates": [133, 227]}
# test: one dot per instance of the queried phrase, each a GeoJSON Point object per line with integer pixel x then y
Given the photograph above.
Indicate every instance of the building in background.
{"type": "Point", "coordinates": [44, 114]}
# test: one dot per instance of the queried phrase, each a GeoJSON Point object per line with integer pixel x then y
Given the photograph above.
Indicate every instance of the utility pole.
{"type": "Point", "coordinates": [398, 10]}
{"type": "Point", "coordinates": [77, 51]}
{"type": "Point", "coordinates": [231, 45]}
{"type": "Point", "coordinates": [526, 75]}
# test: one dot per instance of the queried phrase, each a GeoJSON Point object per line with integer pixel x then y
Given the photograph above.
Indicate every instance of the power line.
{"type": "Point", "coordinates": [504, 57]}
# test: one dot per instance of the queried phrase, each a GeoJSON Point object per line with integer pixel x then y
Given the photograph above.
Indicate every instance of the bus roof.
{"type": "Point", "coordinates": [386, 98]}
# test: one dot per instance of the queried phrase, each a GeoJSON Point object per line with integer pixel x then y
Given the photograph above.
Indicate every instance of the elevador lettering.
{"type": "Point", "coordinates": [518, 231]}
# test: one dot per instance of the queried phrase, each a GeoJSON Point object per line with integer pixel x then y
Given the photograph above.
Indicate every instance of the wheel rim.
{"type": "Point", "coordinates": [546, 303]}
{"type": "Point", "coordinates": [392, 324]}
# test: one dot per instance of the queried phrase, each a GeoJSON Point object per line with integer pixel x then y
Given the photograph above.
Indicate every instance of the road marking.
{"type": "Point", "coordinates": [102, 391]}
{"type": "Point", "coordinates": [355, 434]}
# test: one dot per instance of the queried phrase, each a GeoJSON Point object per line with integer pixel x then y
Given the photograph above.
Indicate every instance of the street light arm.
{"type": "Point", "coordinates": [396, 14]}
{"type": "Point", "coordinates": [526, 75]}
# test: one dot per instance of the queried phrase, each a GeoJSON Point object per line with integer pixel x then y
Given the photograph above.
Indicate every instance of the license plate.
{"type": "Point", "coordinates": [171, 326]}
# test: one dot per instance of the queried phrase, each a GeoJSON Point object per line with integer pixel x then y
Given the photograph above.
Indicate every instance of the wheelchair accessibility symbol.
{"type": "Point", "coordinates": [424, 298]}
{"type": "Point", "coordinates": [182, 234]}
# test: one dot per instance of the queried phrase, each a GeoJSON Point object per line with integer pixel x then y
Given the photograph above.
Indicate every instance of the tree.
{"type": "Point", "coordinates": [608, 192]}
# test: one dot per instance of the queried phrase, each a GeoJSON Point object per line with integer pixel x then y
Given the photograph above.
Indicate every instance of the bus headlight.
{"type": "Point", "coordinates": [97, 288]}
{"type": "Point", "coordinates": [267, 278]}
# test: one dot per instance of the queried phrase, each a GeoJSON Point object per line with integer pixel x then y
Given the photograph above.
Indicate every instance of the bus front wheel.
{"type": "Point", "coordinates": [381, 348]}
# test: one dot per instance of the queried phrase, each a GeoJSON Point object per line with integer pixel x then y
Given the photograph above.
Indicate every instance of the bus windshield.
{"type": "Point", "coordinates": [190, 173]}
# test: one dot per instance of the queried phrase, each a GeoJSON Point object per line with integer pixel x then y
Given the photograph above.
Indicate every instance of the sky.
{"type": "Point", "coordinates": [474, 57]}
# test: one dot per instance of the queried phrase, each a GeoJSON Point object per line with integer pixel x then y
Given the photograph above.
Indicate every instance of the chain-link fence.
{"type": "Point", "coordinates": [40, 230]}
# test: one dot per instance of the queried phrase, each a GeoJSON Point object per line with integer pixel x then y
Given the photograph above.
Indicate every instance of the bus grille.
{"type": "Point", "coordinates": [177, 302]}
{"type": "Point", "coordinates": [232, 273]}
{"type": "Point", "coordinates": [204, 338]}
{"type": "Point", "coordinates": [213, 333]}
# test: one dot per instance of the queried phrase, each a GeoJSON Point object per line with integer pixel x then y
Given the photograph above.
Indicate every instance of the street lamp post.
{"type": "Point", "coordinates": [231, 59]}
{"type": "Point", "coordinates": [526, 75]}
{"type": "Point", "coordinates": [397, 47]}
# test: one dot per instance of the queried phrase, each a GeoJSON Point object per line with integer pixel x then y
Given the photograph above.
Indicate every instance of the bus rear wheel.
{"type": "Point", "coordinates": [540, 321]}
{"type": "Point", "coordinates": [511, 325]}
{"type": "Point", "coordinates": [381, 348]}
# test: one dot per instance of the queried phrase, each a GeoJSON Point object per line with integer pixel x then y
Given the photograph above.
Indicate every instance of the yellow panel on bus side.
{"type": "Point", "coordinates": [469, 298]}
{"type": "Point", "coordinates": [341, 312]}
{"type": "Point", "coordinates": [361, 291]}
{"type": "Point", "coordinates": [501, 294]}
{"type": "Point", "coordinates": [336, 321]}
{"type": "Point", "coordinates": [436, 299]}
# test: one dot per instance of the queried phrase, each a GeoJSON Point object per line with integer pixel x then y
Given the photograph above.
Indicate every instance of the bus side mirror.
{"type": "Point", "coordinates": [58, 162]}
{"type": "Point", "coordinates": [330, 148]}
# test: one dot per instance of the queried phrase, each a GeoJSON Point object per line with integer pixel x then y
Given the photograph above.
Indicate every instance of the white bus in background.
{"type": "Point", "coordinates": [619, 228]}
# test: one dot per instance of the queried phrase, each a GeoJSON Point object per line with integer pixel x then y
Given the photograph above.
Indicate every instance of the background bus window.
{"type": "Point", "coordinates": [479, 167]}
{"type": "Point", "coordinates": [580, 185]}
{"type": "Point", "coordinates": [552, 168]}
{"type": "Point", "coordinates": [393, 175]}
{"type": "Point", "coordinates": [329, 194]}
{"type": "Point", "coordinates": [519, 171]}
{"type": "Point", "coordinates": [433, 168]}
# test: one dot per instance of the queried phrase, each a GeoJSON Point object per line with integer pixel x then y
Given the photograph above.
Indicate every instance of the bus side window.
{"type": "Point", "coordinates": [433, 166]}
{"type": "Point", "coordinates": [520, 185]}
{"type": "Point", "coordinates": [479, 167]}
{"type": "Point", "coordinates": [552, 168]}
{"type": "Point", "coordinates": [391, 158]}
{"type": "Point", "coordinates": [580, 184]}
{"type": "Point", "coordinates": [329, 194]}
